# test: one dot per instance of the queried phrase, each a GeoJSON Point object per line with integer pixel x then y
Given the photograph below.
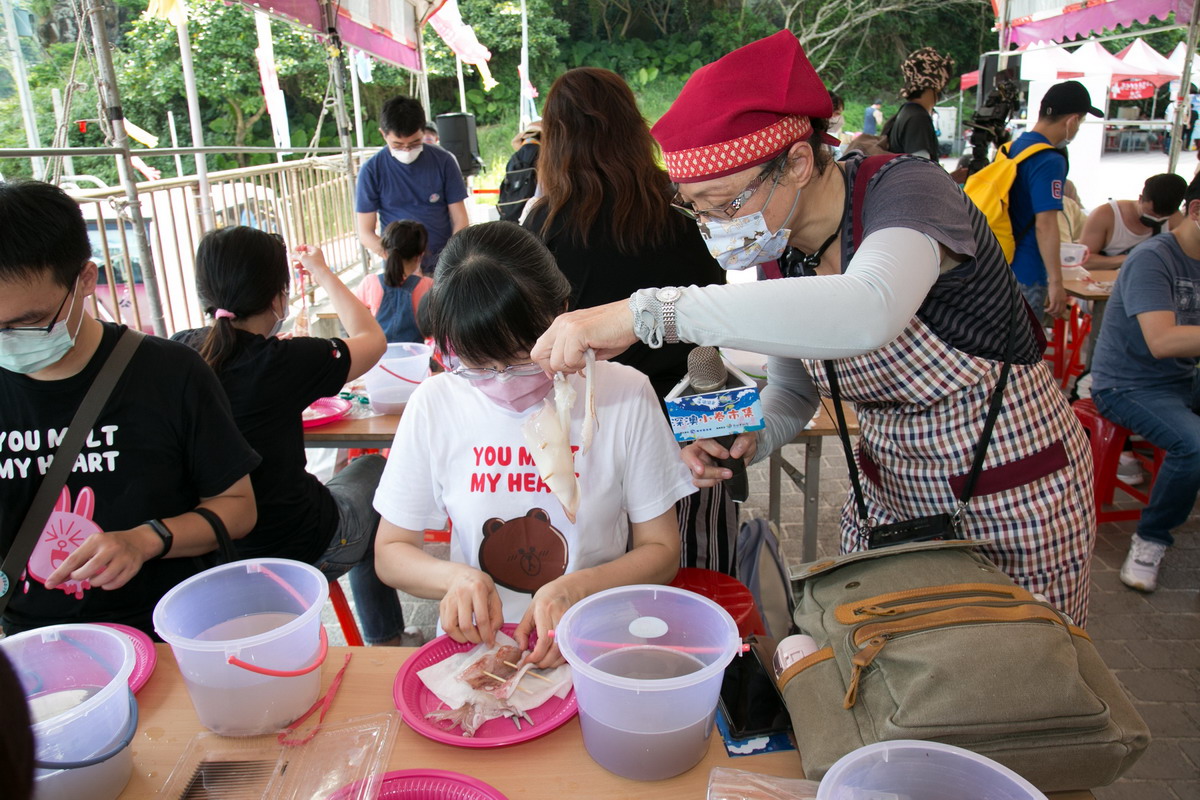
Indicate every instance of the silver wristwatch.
{"type": "Point", "coordinates": [667, 296]}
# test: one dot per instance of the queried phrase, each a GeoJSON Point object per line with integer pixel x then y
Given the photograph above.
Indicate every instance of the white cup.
{"type": "Point", "coordinates": [791, 649]}
{"type": "Point", "coordinates": [1071, 254]}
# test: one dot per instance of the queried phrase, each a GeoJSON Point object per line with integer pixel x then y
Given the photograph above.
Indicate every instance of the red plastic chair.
{"type": "Point", "coordinates": [727, 592]}
{"type": "Point", "coordinates": [1064, 351]}
{"type": "Point", "coordinates": [341, 608]}
{"type": "Point", "coordinates": [1108, 440]}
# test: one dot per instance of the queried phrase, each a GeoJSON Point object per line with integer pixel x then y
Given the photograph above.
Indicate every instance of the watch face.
{"type": "Point", "coordinates": [668, 295]}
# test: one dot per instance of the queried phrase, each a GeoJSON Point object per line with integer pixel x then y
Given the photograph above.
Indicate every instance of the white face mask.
{"type": "Point", "coordinates": [407, 156]}
{"type": "Point", "coordinates": [26, 352]}
{"type": "Point", "coordinates": [746, 241]}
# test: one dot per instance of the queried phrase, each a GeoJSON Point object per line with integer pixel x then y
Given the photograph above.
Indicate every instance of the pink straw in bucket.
{"type": "Point", "coordinates": [744, 648]}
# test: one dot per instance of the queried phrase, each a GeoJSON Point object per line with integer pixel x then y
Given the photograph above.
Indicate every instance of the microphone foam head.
{"type": "Point", "coordinates": [706, 371]}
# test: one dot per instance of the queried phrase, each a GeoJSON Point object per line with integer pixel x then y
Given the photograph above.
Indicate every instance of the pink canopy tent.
{"type": "Point", "coordinates": [1025, 21]}
{"type": "Point", "coordinates": [386, 30]}
{"type": "Point", "coordinates": [1143, 55]}
{"type": "Point", "coordinates": [968, 80]}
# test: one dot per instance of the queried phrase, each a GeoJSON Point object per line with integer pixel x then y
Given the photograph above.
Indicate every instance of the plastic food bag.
{"type": "Point", "coordinates": [736, 784]}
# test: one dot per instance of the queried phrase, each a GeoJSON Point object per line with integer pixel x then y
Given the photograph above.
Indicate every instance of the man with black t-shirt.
{"type": "Point", "coordinates": [123, 531]}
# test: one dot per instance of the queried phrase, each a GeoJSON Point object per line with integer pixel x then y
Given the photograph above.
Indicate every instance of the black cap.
{"type": "Point", "coordinates": [1069, 97]}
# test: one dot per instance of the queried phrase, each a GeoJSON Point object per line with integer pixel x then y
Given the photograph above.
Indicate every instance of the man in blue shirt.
{"type": "Point", "coordinates": [409, 179]}
{"type": "Point", "coordinates": [1035, 199]}
{"type": "Point", "coordinates": [1144, 378]}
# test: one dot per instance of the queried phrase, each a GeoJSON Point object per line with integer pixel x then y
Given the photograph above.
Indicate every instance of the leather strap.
{"type": "Point", "coordinates": [225, 549]}
{"type": "Point", "coordinates": [63, 461]}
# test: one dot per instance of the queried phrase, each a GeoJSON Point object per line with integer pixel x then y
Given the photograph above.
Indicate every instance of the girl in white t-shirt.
{"type": "Point", "coordinates": [459, 453]}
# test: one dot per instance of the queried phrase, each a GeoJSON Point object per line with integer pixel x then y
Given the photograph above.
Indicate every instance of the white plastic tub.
{"type": "Point", "coordinates": [76, 682]}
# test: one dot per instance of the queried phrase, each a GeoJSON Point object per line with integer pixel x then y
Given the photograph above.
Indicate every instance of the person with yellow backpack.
{"type": "Point", "coordinates": [1027, 179]}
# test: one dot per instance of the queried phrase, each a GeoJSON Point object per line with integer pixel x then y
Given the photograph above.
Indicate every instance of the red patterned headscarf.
{"type": "Point", "coordinates": [742, 110]}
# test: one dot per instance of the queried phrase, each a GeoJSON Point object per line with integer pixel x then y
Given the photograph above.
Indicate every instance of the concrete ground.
{"type": "Point", "coordinates": [1151, 642]}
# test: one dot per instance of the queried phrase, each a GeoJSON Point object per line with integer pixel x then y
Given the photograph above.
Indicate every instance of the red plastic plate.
{"type": "Point", "coordinates": [325, 411]}
{"type": "Point", "coordinates": [146, 657]}
{"type": "Point", "coordinates": [414, 701]}
{"type": "Point", "coordinates": [428, 784]}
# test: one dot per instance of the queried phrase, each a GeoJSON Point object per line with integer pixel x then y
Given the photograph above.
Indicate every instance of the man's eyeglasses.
{"type": "Point", "coordinates": [41, 328]}
{"type": "Point", "coordinates": [487, 373]}
{"type": "Point", "coordinates": [725, 210]}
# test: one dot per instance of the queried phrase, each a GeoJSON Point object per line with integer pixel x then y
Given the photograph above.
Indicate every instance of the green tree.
{"type": "Point", "coordinates": [498, 27]}
{"type": "Point", "coordinates": [227, 79]}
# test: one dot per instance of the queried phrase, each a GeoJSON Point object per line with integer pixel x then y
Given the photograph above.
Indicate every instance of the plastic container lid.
{"type": "Point", "coordinates": [925, 770]}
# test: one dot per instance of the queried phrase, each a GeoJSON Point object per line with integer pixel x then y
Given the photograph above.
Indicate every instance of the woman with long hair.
{"type": "Point", "coordinates": [394, 296]}
{"type": "Point", "coordinates": [605, 213]}
{"type": "Point", "coordinates": [242, 280]}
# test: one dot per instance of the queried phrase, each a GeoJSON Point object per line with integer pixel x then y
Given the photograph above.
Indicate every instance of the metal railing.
{"type": "Point", "coordinates": [308, 201]}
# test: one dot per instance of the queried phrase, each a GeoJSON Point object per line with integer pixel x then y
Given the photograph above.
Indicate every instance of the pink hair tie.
{"type": "Point", "coordinates": [223, 314]}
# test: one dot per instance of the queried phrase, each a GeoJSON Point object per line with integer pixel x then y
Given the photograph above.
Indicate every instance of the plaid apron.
{"type": "Point", "coordinates": [921, 406]}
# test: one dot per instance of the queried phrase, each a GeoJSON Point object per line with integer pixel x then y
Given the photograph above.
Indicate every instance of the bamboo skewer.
{"type": "Point", "coordinates": [504, 680]}
{"type": "Point", "coordinates": [530, 672]}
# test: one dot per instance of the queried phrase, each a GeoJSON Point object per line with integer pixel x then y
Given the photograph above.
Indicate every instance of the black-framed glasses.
{"type": "Point", "coordinates": [44, 329]}
{"type": "Point", "coordinates": [487, 373]}
{"type": "Point", "coordinates": [725, 210]}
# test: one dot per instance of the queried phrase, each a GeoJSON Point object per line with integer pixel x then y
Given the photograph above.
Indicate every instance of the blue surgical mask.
{"type": "Point", "coordinates": [746, 241]}
{"type": "Point", "coordinates": [26, 352]}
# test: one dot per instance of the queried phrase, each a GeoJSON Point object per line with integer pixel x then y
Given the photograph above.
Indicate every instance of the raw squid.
{"type": "Point", "coordinates": [548, 433]}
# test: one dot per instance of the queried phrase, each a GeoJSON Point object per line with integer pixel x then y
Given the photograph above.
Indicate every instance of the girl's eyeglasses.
{"type": "Point", "coordinates": [487, 373]}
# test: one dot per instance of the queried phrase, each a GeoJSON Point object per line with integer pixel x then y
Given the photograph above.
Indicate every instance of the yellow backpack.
{"type": "Point", "coordinates": [989, 189]}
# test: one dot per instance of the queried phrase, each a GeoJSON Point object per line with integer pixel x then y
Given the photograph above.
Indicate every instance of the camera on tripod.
{"type": "Point", "coordinates": [989, 123]}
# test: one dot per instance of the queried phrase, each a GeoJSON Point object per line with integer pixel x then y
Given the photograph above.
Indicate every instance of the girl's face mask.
{"type": "Point", "coordinates": [516, 392]}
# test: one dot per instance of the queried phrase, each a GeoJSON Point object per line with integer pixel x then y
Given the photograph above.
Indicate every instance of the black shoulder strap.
{"type": "Point", "coordinates": [63, 461]}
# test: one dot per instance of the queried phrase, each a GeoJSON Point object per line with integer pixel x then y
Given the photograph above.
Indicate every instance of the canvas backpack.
{"type": "Point", "coordinates": [989, 189]}
{"type": "Point", "coordinates": [932, 641]}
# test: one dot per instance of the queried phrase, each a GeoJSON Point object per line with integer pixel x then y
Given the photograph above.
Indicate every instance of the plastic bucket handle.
{"type": "Point", "coordinates": [398, 377]}
{"type": "Point", "coordinates": [126, 738]}
{"type": "Point", "coordinates": [286, 673]}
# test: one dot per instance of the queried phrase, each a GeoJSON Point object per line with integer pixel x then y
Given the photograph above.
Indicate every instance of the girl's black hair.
{"type": "Point", "coordinates": [403, 239]}
{"type": "Point", "coordinates": [238, 269]}
{"type": "Point", "coordinates": [496, 290]}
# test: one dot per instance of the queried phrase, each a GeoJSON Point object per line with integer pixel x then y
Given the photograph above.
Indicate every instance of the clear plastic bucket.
{"type": "Point", "coordinates": [76, 682]}
{"type": "Point", "coordinates": [249, 642]}
{"type": "Point", "coordinates": [647, 665]}
{"type": "Point", "coordinates": [391, 382]}
{"type": "Point", "coordinates": [928, 770]}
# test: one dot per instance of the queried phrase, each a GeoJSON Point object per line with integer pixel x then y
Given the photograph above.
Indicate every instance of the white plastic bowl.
{"type": "Point", "coordinates": [924, 770]}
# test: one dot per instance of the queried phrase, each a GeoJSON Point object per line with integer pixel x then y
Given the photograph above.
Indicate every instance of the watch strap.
{"type": "Point", "coordinates": [165, 534]}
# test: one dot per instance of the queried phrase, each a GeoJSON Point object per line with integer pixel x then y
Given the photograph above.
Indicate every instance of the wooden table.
{"type": "Point", "coordinates": [808, 481]}
{"type": "Point", "coordinates": [555, 765]}
{"type": "Point", "coordinates": [1087, 290]}
{"type": "Point", "coordinates": [375, 431]}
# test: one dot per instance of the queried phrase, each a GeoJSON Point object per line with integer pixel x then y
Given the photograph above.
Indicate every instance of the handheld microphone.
{"type": "Point", "coordinates": [707, 373]}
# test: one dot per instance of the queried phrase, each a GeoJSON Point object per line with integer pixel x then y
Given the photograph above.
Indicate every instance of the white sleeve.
{"type": "Point", "coordinates": [789, 401]}
{"type": "Point", "coordinates": [655, 475]}
{"type": "Point", "coordinates": [822, 316]}
{"type": "Point", "coordinates": [408, 494]}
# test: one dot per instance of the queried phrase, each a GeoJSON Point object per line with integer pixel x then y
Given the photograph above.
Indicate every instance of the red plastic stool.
{"type": "Point", "coordinates": [1108, 440]}
{"type": "Point", "coordinates": [727, 592]}
{"type": "Point", "coordinates": [341, 608]}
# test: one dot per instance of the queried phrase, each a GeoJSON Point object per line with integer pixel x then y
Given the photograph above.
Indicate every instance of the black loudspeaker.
{"type": "Point", "coordinates": [456, 134]}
